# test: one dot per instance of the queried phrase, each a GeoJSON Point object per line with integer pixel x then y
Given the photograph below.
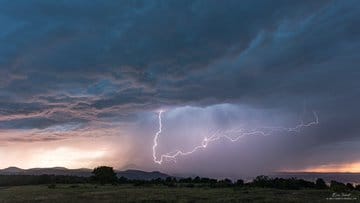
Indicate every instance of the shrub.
{"type": "Point", "coordinates": [239, 183]}
{"type": "Point", "coordinates": [320, 184]}
{"type": "Point", "coordinates": [337, 186]}
{"type": "Point", "coordinates": [350, 186]}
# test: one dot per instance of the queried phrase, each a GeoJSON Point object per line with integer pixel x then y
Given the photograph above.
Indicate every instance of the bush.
{"type": "Point", "coordinates": [350, 186]}
{"type": "Point", "coordinates": [239, 183]}
{"type": "Point", "coordinates": [262, 181]}
{"type": "Point", "coordinates": [185, 180]}
{"type": "Point", "coordinates": [320, 184]}
{"type": "Point", "coordinates": [123, 180]}
{"type": "Point", "coordinates": [337, 186]}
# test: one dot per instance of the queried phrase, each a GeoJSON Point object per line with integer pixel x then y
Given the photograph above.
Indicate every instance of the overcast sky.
{"type": "Point", "coordinates": [82, 83]}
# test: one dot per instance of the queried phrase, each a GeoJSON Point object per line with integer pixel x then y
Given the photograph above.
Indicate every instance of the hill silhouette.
{"type": "Point", "coordinates": [82, 172]}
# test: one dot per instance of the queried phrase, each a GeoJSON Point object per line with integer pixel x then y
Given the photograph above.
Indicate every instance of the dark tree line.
{"type": "Point", "coordinates": [106, 175]}
{"type": "Point", "coordinates": [260, 181]}
{"type": "Point", "coordinates": [16, 180]}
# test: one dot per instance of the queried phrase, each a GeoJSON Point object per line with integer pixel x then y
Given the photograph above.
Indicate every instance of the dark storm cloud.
{"type": "Point", "coordinates": [80, 61]}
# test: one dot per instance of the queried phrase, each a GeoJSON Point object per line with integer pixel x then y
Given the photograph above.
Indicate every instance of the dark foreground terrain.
{"type": "Point", "coordinates": [130, 193]}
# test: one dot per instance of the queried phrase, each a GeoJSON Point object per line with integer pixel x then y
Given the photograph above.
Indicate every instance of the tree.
{"type": "Point", "coordinates": [350, 186]}
{"type": "Point", "coordinates": [337, 186]}
{"type": "Point", "coordinates": [196, 179]}
{"type": "Point", "coordinates": [262, 181]}
{"type": "Point", "coordinates": [320, 184]}
{"type": "Point", "coordinates": [170, 182]}
{"type": "Point", "coordinates": [224, 183]}
{"type": "Point", "coordinates": [104, 174]}
{"type": "Point", "coordinates": [239, 183]}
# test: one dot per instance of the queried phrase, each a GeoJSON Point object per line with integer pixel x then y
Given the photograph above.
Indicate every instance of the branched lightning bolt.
{"type": "Point", "coordinates": [218, 134]}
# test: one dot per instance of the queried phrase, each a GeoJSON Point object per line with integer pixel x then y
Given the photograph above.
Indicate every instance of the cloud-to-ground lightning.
{"type": "Point", "coordinates": [156, 138]}
{"type": "Point", "coordinates": [218, 134]}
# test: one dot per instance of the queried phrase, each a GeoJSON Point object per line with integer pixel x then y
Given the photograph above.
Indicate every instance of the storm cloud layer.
{"type": "Point", "coordinates": [94, 69]}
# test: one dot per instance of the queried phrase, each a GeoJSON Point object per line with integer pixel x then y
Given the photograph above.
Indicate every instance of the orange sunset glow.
{"type": "Point", "coordinates": [336, 168]}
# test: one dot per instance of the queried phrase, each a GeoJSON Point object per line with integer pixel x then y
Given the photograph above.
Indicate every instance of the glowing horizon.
{"type": "Point", "coordinates": [331, 168]}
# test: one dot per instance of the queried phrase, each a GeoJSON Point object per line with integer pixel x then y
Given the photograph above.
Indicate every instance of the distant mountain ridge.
{"type": "Point", "coordinates": [312, 176]}
{"type": "Point", "coordinates": [82, 172]}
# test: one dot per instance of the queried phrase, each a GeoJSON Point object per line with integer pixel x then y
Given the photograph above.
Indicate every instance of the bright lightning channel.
{"type": "Point", "coordinates": [156, 138]}
{"type": "Point", "coordinates": [222, 134]}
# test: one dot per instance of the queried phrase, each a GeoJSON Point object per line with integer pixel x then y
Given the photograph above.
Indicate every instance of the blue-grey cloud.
{"type": "Point", "coordinates": [82, 62]}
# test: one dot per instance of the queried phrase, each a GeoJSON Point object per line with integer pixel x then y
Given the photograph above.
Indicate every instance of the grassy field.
{"type": "Point", "coordinates": [129, 193]}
